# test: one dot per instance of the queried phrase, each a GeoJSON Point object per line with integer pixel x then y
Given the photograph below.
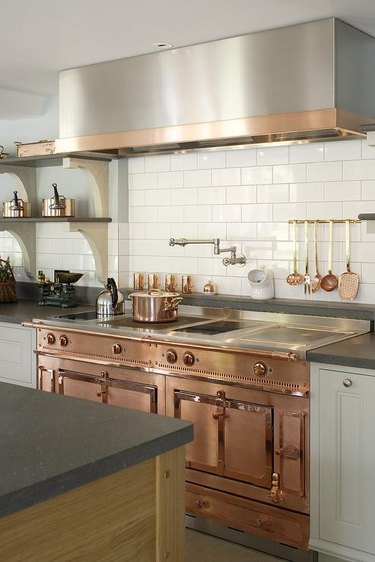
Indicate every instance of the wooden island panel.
{"type": "Point", "coordinates": [135, 515]}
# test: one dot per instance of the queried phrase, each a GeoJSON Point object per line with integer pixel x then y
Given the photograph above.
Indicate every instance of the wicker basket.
{"type": "Point", "coordinates": [7, 282]}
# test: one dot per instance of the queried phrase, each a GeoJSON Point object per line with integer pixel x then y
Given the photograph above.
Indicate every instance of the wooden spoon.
{"type": "Point", "coordinates": [315, 285]}
{"type": "Point", "coordinates": [295, 278]}
{"type": "Point", "coordinates": [329, 282]}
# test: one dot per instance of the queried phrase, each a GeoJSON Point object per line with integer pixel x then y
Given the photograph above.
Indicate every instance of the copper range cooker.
{"type": "Point", "coordinates": [243, 379]}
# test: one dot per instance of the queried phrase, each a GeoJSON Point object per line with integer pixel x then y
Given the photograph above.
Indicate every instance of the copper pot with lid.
{"type": "Point", "coordinates": [16, 208]}
{"type": "Point", "coordinates": [58, 205]}
{"type": "Point", "coordinates": [155, 306]}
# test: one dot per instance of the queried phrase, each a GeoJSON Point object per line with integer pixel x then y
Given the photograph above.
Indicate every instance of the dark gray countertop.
{"type": "Point", "coordinates": [356, 352]}
{"type": "Point", "coordinates": [25, 310]}
{"type": "Point", "coordinates": [50, 444]}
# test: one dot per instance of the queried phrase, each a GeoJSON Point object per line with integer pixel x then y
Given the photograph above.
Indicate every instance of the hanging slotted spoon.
{"type": "Point", "coordinates": [295, 278]}
{"type": "Point", "coordinates": [348, 281]}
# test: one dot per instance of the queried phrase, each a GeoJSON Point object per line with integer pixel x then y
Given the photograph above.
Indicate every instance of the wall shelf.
{"type": "Point", "coordinates": [95, 229]}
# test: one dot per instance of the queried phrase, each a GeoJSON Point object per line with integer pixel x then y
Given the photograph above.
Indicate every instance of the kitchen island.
{"type": "Point", "coordinates": [83, 481]}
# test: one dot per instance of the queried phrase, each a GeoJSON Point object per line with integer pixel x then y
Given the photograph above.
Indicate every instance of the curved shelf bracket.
{"type": "Point", "coordinates": [25, 176]}
{"type": "Point", "coordinates": [25, 234]}
{"type": "Point", "coordinates": [98, 170]}
{"type": "Point", "coordinates": [97, 237]}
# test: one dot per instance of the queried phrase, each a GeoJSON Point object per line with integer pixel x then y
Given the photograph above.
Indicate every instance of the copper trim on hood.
{"type": "Point", "coordinates": [305, 126]}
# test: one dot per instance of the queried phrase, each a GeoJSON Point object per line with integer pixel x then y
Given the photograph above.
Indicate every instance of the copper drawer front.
{"type": "Point", "coordinates": [235, 512]}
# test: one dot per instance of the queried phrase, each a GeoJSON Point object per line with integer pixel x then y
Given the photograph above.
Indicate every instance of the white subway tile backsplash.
{"type": "Point", "coordinates": [143, 214]}
{"type": "Point", "coordinates": [352, 209]}
{"type": "Point", "coordinates": [289, 211]}
{"type": "Point", "coordinates": [137, 230]}
{"type": "Point", "coordinates": [366, 150]}
{"type": "Point", "coordinates": [243, 194]}
{"type": "Point", "coordinates": [272, 193]}
{"type": "Point", "coordinates": [136, 165]}
{"type": "Point", "coordinates": [289, 173]}
{"type": "Point", "coordinates": [187, 161]}
{"type": "Point", "coordinates": [273, 230]}
{"type": "Point", "coordinates": [342, 191]}
{"type": "Point", "coordinates": [157, 163]}
{"type": "Point", "coordinates": [143, 181]}
{"type": "Point", "coordinates": [226, 213]}
{"type": "Point", "coordinates": [242, 157]}
{"type": "Point", "coordinates": [359, 170]}
{"type": "Point", "coordinates": [241, 231]}
{"type": "Point", "coordinates": [272, 155]}
{"type": "Point", "coordinates": [300, 153]}
{"type": "Point", "coordinates": [256, 175]}
{"type": "Point", "coordinates": [226, 176]}
{"type": "Point", "coordinates": [339, 150]}
{"type": "Point", "coordinates": [212, 230]}
{"type": "Point", "coordinates": [303, 192]}
{"type": "Point", "coordinates": [324, 171]}
{"type": "Point", "coordinates": [157, 197]}
{"type": "Point", "coordinates": [137, 198]}
{"type": "Point", "coordinates": [211, 159]}
{"type": "Point", "coordinates": [197, 178]}
{"type": "Point", "coordinates": [156, 231]}
{"type": "Point", "coordinates": [368, 189]}
{"type": "Point", "coordinates": [166, 214]}
{"type": "Point", "coordinates": [243, 197]}
{"type": "Point", "coordinates": [258, 212]}
{"type": "Point", "coordinates": [197, 213]}
{"type": "Point", "coordinates": [211, 196]}
{"type": "Point", "coordinates": [325, 210]}
{"type": "Point", "coordinates": [170, 180]}
{"type": "Point", "coordinates": [184, 196]}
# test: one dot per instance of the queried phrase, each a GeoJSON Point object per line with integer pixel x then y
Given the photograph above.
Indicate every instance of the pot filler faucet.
{"type": "Point", "coordinates": [233, 260]}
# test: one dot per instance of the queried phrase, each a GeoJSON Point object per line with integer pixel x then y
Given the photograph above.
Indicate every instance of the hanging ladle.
{"type": "Point", "coordinates": [315, 285]}
{"type": "Point", "coordinates": [295, 278]}
{"type": "Point", "coordinates": [329, 282]}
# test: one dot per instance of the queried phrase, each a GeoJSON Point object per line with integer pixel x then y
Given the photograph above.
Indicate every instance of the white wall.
{"type": "Point", "coordinates": [244, 197]}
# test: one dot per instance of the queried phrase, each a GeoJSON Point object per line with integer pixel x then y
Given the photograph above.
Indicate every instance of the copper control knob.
{"type": "Point", "coordinates": [64, 341]}
{"type": "Point", "coordinates": [188, 358]}
{"type": "Point", "coordinates": [116, 348]}
{"type": "Point", "coordinates": [171, 356]}
{"type": "Point", "coordinates": [51, 339]}
{"type": "Point", "coordinates": [260, 369]}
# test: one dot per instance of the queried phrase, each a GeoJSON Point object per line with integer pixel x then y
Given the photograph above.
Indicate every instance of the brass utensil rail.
{"type": "Point", "coordinates": [316, 284]}
{"type": "Point", "coordinates": [320, 221]}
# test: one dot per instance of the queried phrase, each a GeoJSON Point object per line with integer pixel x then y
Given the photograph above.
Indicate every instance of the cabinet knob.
{"type": "Point", "coordinates": [116, 348]}
{"type": "Point", "coordinates": [347, 383]}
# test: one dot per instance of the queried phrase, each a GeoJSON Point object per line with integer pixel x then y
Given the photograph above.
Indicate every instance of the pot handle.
{"type": "Point", "coordinates": [112, 287]}
{"type": "Point", "coordinates": [154, 292]}
{"type": "Point", "coordinates": [172, 304]}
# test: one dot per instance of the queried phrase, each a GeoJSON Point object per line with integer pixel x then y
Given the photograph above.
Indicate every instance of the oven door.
{"type": "Point", "coordinates": [232, 438]}
{"type": "Point", "coordinates": [118, 386]}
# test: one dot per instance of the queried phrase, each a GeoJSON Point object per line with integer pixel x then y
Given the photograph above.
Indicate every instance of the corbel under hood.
{"type": "Point", "coordinates": [311, 81]}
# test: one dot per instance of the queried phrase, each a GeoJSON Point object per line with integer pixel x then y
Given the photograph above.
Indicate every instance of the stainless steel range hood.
{"type": "Point", "coordinates": [294, 84]}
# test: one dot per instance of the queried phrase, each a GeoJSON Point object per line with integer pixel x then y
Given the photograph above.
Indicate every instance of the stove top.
{"type": "Point", "coordinates": [263, 331]}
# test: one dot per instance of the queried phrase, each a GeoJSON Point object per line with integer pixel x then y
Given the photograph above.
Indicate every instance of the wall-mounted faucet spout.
{"type": "Point", "coordinates": [233, 260]}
